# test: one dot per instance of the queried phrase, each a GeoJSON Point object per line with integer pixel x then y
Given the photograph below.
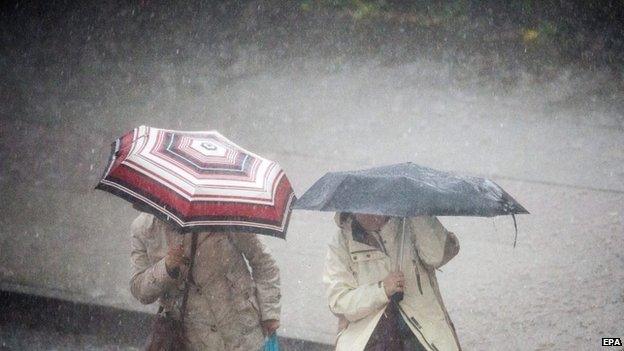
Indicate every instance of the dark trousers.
{"type": "Point", "coordinates": [392, 333]}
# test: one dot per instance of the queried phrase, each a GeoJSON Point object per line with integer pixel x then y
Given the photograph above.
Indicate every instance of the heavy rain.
{"type": "Point", "coordinates": [525, 96]}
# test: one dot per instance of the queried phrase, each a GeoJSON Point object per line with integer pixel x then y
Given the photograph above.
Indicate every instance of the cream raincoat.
{"type": "Point", "coordinates": [227, 302]}
{"type": "Point", "coordinates": [354, 271]}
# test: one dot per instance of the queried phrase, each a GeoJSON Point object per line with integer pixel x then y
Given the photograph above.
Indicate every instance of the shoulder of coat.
{"type": "Point", "coordinates": [424, 219]}
{"type": "Point", "coordinates": [238, 238]}
{"type": "Point", "coordinates": [143, 224]}
{"type": "Point", "coordinates": [337, 219]}
{"type": "Point", "coordinates": [394, 221]}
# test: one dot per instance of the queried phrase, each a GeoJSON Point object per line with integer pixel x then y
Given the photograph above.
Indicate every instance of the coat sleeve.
{"type": "Point", "coordinates": [265, 274]}
{"type": "Point", "coordinates": [346, 297]}
{"type": "Point", "coordinates": [148, 282]}
{"type": "Point", "coordinates": [435, 245]}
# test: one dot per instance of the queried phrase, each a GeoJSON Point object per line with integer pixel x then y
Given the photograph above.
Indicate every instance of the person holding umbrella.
{"type": "Point", "coordinates": [361, 280]}
{"type": "Point", "coordinates": [380, 267]}
{"type": "Point", "coordinates": [194, 246]}
{"type": "Point", "coordinates": [228, 307]}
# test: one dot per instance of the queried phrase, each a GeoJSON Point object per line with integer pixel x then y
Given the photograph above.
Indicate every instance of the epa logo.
{"type": "Point", "coordinates": [611, 342]}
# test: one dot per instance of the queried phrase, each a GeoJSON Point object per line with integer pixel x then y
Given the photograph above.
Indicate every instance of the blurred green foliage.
{"type": "Point", "coordinates": [576, 30]}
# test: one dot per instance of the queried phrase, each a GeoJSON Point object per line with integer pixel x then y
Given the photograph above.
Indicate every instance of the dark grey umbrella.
{"type": "Point", "coordinates": [405, 190]}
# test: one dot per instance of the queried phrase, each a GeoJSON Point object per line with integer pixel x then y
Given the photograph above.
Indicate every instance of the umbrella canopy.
{"type": "Point", "coordinates": [405, 190]}
{"type": "Point", "coordinates": [199, 181]}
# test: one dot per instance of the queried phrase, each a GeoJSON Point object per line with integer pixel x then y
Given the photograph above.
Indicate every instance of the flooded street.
{"type": "Point", "coordinates": [556, 144]}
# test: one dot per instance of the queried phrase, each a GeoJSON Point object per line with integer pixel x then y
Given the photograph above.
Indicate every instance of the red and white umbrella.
{"type": "Point", "coordinates": [199, 181]}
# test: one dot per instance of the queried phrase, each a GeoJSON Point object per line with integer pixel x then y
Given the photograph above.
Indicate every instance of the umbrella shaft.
{"type": "Point", "coordinates": [399, 259]}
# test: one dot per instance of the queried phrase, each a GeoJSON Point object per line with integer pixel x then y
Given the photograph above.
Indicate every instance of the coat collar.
{"type": "Point", "coordinates": [358, 244]}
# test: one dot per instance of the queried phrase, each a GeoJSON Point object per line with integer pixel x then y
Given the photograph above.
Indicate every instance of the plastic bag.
{"type": "Point", "coordinates": [271, 343]}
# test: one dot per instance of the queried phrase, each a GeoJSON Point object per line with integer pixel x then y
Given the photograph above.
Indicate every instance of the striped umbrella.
{"type": "Point", "coordinates": [199, 181]}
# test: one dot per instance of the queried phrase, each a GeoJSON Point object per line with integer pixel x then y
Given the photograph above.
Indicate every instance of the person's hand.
{"type": "Point", "coordinates": [393, 283]}
{"type": "Point", "coordinates": [270, 326]}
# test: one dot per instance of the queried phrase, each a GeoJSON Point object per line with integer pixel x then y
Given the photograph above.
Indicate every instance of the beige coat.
{"type": "Point", "coordinates": [353, 274]}
{"type": "Point", "coordinates": [226, 305]}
